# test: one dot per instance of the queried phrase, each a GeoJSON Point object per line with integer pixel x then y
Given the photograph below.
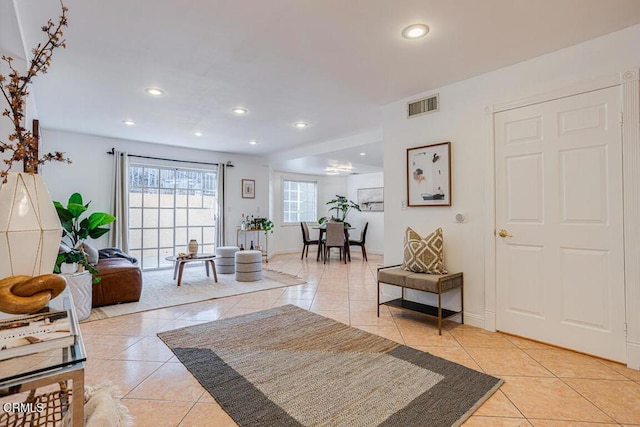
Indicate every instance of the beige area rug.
{"type": "Point", "coordinates": [289, 367]}
{"type": "Point", "coordinates": [159, 290]}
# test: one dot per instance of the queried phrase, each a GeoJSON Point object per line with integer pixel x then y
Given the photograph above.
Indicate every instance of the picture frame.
{"type": "Point", "coordinates": [371, 199]}
{"type": "Point", "coordinates": [429, 175]}
{"type": "Point", "coordinates": [248, 188]}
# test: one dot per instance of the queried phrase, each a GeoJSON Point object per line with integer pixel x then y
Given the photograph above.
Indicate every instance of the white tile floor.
{"type": "Point", "coordinates": [544, 386]}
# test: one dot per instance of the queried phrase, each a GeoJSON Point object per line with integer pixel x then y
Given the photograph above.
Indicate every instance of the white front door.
{"type": "Point", "coordinates": [560, 272]}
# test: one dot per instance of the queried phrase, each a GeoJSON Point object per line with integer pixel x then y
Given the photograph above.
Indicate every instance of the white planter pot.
{"type": "Point", "coordinates": [68, 267]}
{"type": "Point", "coordinates": [81, 290]}
{"type": "Point", "coordinates": [30, 230]}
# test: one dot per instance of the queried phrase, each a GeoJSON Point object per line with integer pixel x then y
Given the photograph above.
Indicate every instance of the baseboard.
{"type": "Point", "coordinates": [490, 320]}
{"type": "Point", "coordinates": [472, 319]}
{"type": "Point", "coordinates": [633, 355]}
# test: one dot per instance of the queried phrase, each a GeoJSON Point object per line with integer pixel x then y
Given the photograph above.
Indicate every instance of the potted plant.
{"type": "Point", "coordinates": [75, 229]}
{"type": "Point", "coordinates": [342, 206]}
{"type": "Point", "coordinates": [265, 224]}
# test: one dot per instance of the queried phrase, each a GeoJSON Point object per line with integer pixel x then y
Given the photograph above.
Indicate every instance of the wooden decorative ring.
{"type": "Point", "coordinates": [25, 294]}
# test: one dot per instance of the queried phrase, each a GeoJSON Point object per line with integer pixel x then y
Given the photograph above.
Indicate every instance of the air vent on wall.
{"type": "Point", "coordinates": [423, 106]}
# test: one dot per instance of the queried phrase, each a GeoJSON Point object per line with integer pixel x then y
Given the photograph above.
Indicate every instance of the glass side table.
{"type": "Point", "coordinates": [25, 373]}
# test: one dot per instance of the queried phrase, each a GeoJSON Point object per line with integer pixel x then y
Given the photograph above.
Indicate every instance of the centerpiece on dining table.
{"type": "Point", "coordinates": [342, 206]}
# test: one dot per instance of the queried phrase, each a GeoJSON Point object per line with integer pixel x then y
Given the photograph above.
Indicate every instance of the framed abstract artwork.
{"type": "Point", "coordinates": [429, 175]}
{"type": "Point", "coordinates": [248, 188]}
{"type": "Point", "coordinates": [371, 199]}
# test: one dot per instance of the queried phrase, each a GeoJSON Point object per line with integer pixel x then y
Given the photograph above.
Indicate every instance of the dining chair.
{"type": "Point", "coordinates": [361, 241]}
{"type": "Point", "coordinates": [306, 240]}
{"type": "Point", "coordinates": [335, 238]}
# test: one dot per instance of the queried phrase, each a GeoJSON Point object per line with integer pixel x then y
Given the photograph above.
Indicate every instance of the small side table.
{"type": "Point", "coordinates": [81, 291]}
{"type": "Point", "coordinates": [208, 259]}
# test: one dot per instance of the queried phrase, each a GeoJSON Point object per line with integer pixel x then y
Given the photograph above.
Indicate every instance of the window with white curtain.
{"type": "Point", "coordinates": [299, 201]}
{"type": "Point", "coordinates": [167, 208]}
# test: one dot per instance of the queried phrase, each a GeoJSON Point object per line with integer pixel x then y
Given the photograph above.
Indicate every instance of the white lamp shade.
{"type": "Point", "coordinates": [30, 229]}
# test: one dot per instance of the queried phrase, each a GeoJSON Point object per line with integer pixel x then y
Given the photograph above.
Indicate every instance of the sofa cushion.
{"type": "Point", "coordinates": [91, 252]}
{"type": "Point", "coordinates": [393, 276]}
{"type": "Point", "coordinates": [424, 255]}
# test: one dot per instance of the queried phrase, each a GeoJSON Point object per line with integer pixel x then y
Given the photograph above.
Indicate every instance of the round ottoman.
{"type": "Point", "coordinates": [225, 259]}
{"type": "Point", "coordinates": [248, 266]}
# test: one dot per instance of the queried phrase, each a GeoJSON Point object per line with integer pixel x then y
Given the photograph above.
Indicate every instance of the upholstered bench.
{"type": "Point", "coordinates": [248, 266]}
{"type": "Point", "coordinates": [226, 259]}
{"type": "Point", "coordinates": [431, 283]}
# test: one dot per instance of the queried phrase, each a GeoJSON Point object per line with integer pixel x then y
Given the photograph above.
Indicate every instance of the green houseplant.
{"type": "Point", "coordinates": [342, 206]}
{"type": "Point", "coordinates": [265, 224]}
{"type": "Point", "coordinates": [76, 229]}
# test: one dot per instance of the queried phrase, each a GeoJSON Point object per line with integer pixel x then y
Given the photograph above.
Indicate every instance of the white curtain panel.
{"type": "Point", "coordinates": [119, 236]}
{"type": "Point", "coordinates": [220, 226]}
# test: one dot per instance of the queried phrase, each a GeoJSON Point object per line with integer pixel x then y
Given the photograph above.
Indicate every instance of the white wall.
{"type": "Point", "coordinates": [375, 232]}
{"type": "Point", "coordinates": [288, 238]}
{"type": "Point", "coordinates": [461, 120]}
{"type": "Point", "coordinates": [91, 172]}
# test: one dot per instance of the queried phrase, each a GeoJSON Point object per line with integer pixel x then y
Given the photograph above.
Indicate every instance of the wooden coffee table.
{"type": "Point", "coordinates": [180, 262]}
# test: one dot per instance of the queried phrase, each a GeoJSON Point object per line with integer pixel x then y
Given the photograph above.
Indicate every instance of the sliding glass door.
{"type": "Point", "coordinates": [167, 208]}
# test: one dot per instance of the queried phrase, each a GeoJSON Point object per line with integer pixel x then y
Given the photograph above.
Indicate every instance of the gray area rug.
{"type": "Point", "coordinates": [289, 367]}
{"type": "Point", "coordinates": [159, 290]}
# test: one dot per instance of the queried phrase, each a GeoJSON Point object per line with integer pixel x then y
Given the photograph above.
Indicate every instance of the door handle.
{"type": "Point", "coordinates": [504, 233]}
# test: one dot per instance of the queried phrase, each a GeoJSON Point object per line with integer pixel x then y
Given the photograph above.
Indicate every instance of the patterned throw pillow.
{"type": "Point", "coordinates": [423, 255]}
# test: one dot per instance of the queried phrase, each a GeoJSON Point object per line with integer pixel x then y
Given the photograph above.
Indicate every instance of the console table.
{"type": "Point", "coordinates": [247, 234]}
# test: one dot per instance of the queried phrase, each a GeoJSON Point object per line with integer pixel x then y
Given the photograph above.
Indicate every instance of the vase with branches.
{"type": "Point", "coordinates": [36, 237]}
{"type": "Point", "coordinates": [22, 144]}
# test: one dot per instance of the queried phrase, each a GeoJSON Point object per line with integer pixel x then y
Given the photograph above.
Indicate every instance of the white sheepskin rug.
{"type": "Point", "coordinates": [102, 408]}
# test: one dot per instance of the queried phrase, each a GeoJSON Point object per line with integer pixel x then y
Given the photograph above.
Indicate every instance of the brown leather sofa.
{"type": "Point", "coordinates": [121, 281]}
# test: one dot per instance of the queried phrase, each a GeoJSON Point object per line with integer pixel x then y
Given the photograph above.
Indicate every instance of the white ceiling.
{"type": "Point", "coordinates": [331, 63]}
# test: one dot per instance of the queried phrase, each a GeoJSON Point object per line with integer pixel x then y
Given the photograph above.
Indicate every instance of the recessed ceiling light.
{"type": "Point", "coordinates": [363, 154]}
{"type": "Point", "coordinates": [415, 31]}
{"type": "Point", "coordinates": [240, 111]}
{"type": "Point", "coordinates": [129, 122]}
{"type": "Point", "coordinates": [154, 91]}
{"type": "Point", "coordinates": [253, 142]}
{"type": "Point", "coordinates": [301, 125]}
{"type": "Point", "coordinates": [197, 133]}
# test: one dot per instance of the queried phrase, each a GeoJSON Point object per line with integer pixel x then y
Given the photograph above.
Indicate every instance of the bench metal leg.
{"type": "Point", "coordinates": [378, 298]}
{"type": "Point", "coordinates": [439, 312]}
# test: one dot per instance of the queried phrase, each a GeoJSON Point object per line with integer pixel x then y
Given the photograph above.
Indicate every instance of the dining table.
{"type": "Point", "coordinates": [322, 229]}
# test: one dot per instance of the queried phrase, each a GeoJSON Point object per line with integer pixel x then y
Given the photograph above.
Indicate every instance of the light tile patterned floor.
{"type": "Point", "coordinates": [544, 386]}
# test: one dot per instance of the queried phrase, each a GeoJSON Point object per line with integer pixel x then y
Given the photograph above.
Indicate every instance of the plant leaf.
{"type": "Point", "coordinates": [76, 209]}
{"type": "Point", "coordinates": [76, 198]}
{"type": "Point", "coordinates": [97, 232]}
{"type": "Point", "coordinates": [63, 213]}
{"type": "Point", "coordinates": [97, 219]}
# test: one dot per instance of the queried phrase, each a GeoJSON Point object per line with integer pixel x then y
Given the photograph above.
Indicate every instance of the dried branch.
{"type": "Point", "coordinates": [21, 143]}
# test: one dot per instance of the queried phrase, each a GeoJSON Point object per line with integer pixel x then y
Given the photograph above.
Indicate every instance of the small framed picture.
{"type": "Point", "coordinates": [429, 175]}
{"type": "Point", "coordinates": [248, 188]}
